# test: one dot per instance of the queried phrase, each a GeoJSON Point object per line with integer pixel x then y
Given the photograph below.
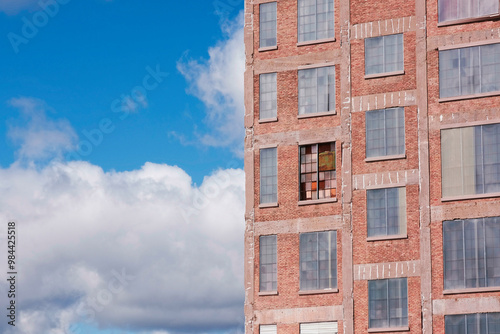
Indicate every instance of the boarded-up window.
{"type": "Point", "coordinates": [470, 160]}
{"type": "Point", "coordinates": [318, 260]}
{"type": "Point", "coordinates": [268, 329]}
{"type": "Point", "coordinates": [317, 171]}
{"type": "Point", "coordinates": [319, 328]}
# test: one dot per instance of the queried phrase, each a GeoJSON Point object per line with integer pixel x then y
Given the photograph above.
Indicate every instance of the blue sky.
{"type": "Point", "coordinates": [121, 135]}
{"type": "Point", "coordinates": [94, 52]}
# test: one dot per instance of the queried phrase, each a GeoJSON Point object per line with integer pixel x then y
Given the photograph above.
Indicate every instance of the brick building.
{"type": "Point", "coordinates": [372, 158]}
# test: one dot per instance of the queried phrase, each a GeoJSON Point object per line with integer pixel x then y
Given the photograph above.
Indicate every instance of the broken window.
{"type": "Point", "coordinates": [317, 171]}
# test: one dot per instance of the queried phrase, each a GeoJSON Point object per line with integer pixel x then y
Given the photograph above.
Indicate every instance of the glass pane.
{"type": "Point", "coordinates": [268, 17]}
{"type": "Point", "coordinates": [268, 175]}
{"type": "Point", "coordinates": [374, 55]}
{"type": "Point", "coordinates": [268, 95]}
{"type": "Point", "coordinates": [449, 74]}
{"type": "Point", "coordinates": [453, 252]}
{"type": "Point", "coordinates": [268, 263]}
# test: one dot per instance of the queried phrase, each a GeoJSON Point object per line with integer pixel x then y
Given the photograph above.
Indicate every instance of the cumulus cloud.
{"type": "Point", "coordinates": [40, 138]}
{"type": "Point", "coordinates": [142, 250]}
{"type": "Point", "coordinates": [218, 83]}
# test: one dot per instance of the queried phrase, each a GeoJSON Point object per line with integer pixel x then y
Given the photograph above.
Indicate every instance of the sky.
{"type": "Point", "coordinates": [121, 143]}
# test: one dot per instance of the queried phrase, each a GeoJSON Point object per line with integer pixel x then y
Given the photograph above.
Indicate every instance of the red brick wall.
{"type": "Point", "coordinates": [368, 11]}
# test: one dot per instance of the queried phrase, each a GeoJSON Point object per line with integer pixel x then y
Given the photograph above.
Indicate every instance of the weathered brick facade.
{"type": "Point", "coordinates": [417, 255]}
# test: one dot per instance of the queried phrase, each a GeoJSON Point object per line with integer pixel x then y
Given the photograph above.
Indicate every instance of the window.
{"type": "Point", "coordinates": [388, 303]}
{"type": "Point", "coordinates": [471, 250]}
{"type": "Point", "coordinates": [319, 328]}
{"type": "Point", "coordinates": [268, 97]}
{"type": "Point", "coordinates": [317, 171]}
{"type": "Point", "coordinates": [268, 175]}
{"type": "Point", "coordinates": [386, 211]}
{"type": "Point", "coordinates": [317, 90]}
{"type": "Point", "coordinates": [385, 132]}
{"type": "Point", "coordinates": [268, 263]}
{"type": "Point", "coordinates": [384, 54]}
{"type": "Point", "coordinates": [476, 323]}
{"type": "Point", "coordinates": [318, 260]}
{"type": "Point", "coordinates": [470, 160]}
{"type": "Point", "coordinates": [268, 329]}
{"type": "Point", "coordinates": [268, 18]}
{"type": "Point", "coordinates": [316, 20]}
{"type": "Point", "coordinates": [450, 10]}
{"type": "Point", "coordinates": [469, 71]}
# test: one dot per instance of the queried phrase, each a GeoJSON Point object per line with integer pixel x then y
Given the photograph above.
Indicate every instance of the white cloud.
{"type": "Point", "coordinates": [40, 138]}
{"type": "Point", "coordinates": [218, 82]}
{"type": "Point", "coordinates": [79, 227]}
{"type": "Point", "coordinates": [13, 7]}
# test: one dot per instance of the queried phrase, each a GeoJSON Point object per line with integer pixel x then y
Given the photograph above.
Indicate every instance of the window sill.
{"type": "Point", "coordinates": [471, 290]}
{"type": "Point", "coordinates": [388, 237]}
{"type": "Point", "coordinates": [268, 48]}
{"type": "Point", "coordinates": [318, 114]}
{"type": "Point", "coordinates": [391, 329]}
{"type": "Point", "coordinates": [466, 197]}
{"type": "Point", "coordinates": [268, 120]}
{"type": "Point", "coordinates": [469, 20]}
{"type": "Point", "coordinates": [316, 41]}
{"type": "Point", "coordinates": [268, 205]}
{"type": "Point", "coordinates": [468, 97]}
{"type": "Point", "coordinates": [268, 293]}
{"type": "Point", "coordinates": [386, 157]}
{"type": "Point", "coordinates": [318, 201]}
{"type": "Point", "coordinates": [317, 292]}
{"type": "Point", "coordinates": [382, 75]}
